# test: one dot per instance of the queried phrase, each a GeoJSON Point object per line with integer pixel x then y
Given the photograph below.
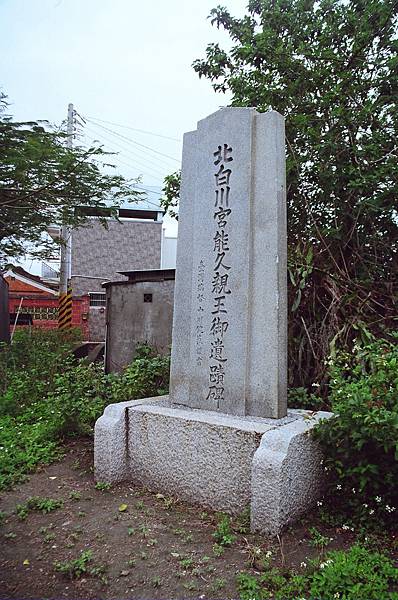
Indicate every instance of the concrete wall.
{"type": "Point", "coordinates": [131, 321]}
{"type": "Point", "coordinates": [4, 313]}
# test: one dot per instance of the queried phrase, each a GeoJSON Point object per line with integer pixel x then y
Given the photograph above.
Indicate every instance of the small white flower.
{"type": "Point", "coordinates": [303, 564]}
{"type": "Point", "coordinates": [353, 490]}
{"type": "Point", "coordinates": [365, 505]}
{"type": "Point", "coordinates": [268, 554]}
{"type": "Point", "coordinates": [390, 509]}
{"type": "Point", "coordinates": [325, 564]}
{"type": "Point", "coordinates": [337, 595]}
{"type": "Point", "coordinates": [338, 486]}
{"type": "Point", "coordinates": [371, 511]}
{"type": "Point", "coordinates": [319, 503]}
{"type": "Point", "coordinates": [378, 499]}
{"type": "Point", "coordinates": [345, 527]}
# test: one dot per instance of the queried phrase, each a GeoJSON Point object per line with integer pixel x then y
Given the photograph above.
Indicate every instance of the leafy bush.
{"type": "Point", "coordinates": [300, 398]}
{"type": "Point", "coordinates": [45, 395]}
{"type": "Point", "coordinates": [360, 443]}
{"type": "Point", "coordinates": [147, 376]}
{"type": "Point", "coordinates": [28, 366]}
{"type": "Point", "coordinates": [356, 574]}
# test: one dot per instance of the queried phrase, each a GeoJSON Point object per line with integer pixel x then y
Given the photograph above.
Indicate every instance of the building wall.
{"type": "Point", "coordinates": [169, 252]}
{"type": "Point", "coordinates": [131, 321]}
{"type": "Point", "coordinates": [100, 253]}
{"type": "Point", "coordinates": [44, 311]}
{"type": "Point", "coordinates": [4, 311]}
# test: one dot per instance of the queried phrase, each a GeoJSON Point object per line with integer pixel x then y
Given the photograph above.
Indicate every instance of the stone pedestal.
{"type": "Point", "coordinates": [216, 460]}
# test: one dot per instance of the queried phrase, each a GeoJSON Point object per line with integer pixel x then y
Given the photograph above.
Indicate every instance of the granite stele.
{"type": "Point", "coordinates": [224, 438]}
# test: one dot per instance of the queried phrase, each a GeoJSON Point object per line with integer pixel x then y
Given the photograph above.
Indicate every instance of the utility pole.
{"type": "Point", "coordinates": [65, 293]}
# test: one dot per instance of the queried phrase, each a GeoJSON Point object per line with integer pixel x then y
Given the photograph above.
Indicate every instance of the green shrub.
{"type": "Point", "coordinates": [301, 398]}
{"type": "Point", "coordinates": [79, 397]}
{"type": "Point", "coordinates": [28, 366]}
{"type": "Point", "coordinates": [356, 574]}
{"type": "Point", "coordinates": [360, 443]}
{"type": "Point", "coordinates": [45, 395]}
{"type": "Point", "coordinates": [147, 376]}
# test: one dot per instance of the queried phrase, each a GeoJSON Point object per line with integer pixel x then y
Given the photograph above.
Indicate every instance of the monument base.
{"type": "Point", "coordinates": [219, 461]}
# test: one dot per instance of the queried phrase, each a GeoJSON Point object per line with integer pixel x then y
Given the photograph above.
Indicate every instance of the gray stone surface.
{"type": "Point", "coordinates": [196, 457]}
{"type": "Point", "coordinates": [219, 461]}
{"type": "Point", "coordinates": [238, 368]}
{"type": "Point", "coordinates": [111, 433]}
{"type": "Point", "coordinates": [287, 473]}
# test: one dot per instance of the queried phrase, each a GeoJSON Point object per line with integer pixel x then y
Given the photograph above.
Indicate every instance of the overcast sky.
{"type": "Point", "coordinates": [122, 61]}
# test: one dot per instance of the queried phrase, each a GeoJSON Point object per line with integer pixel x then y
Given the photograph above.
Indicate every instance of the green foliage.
{"type": "Point", "coordinates": [300, 398]}
{"type": "Point", "coordinates": [40, 180]}
{"type": "Point", "coordinates": [43, 505]}
{"type": "Point", "coordinates": [356, 574]}
{"type": "Point", "coordinates": [46, 395]}
{"type": "Point", "coordinates": [103, 486]}
{"type": "Point", "coordinates": [148, 375]}
{"type": "Point", "coordinates": [330, 67]}
{"type": "Point", "coordinates": [75, 568]}
{"type": "Point", "coordinates": [318, 540]}
{"type": "Point", "coordinates": [171, 191]}
{"type": "Point", "coordinates": [360, 442]}
{"type": "Point", "coordinates": [29, 365]}
{"type": "Point", "coordinates": [223, 535]}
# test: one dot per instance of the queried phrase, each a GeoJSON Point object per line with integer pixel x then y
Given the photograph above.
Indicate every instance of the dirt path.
{"type": "Point", "coordinates": [152, 547]}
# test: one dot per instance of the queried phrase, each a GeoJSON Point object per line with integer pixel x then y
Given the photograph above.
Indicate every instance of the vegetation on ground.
{"type": "Point", "coordinates": [355, 574]}
{"type": "Point", "coordinates": [47, 395]}
{"type": "Point", "coordinates": [360, 443]}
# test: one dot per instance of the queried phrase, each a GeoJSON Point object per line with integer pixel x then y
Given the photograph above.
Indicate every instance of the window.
{"type": "Point", "coordinates": [97, 299]}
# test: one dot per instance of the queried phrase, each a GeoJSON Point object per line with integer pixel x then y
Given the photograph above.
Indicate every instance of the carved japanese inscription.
{"type": "Point", "coordinates": [220, 274]}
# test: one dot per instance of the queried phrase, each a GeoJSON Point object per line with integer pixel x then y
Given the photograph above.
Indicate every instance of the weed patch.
{"type": "Point", "coordinates": [77, 567]}
{"type": "Point", "coordinates": [43, 505]}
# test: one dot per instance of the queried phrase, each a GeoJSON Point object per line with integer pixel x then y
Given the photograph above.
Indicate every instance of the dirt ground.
{"type": "Point", "coordinates": [155, 547]}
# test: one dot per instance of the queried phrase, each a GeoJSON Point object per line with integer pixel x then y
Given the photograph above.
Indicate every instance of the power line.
{"type": "Point", "coordinates": [147, 190]}
{"type": "Point", "coordinates": [161, 163]}
{"type": "Point", "coordinates": [134, 142]}
{"type": "Point", "coordinates": [104, 139]}
{"type": "Point", "coordinates": [165, 137]}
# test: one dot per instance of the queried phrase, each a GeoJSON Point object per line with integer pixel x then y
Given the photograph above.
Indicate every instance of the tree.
{"type": "Point", "coordinates": [43, 182]}
{"type": "Point", "coordinates": [330, 67]}
{"type": "Point", "coordinates": [171, 191]}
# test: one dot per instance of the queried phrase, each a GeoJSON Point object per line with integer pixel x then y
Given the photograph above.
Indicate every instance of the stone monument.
{"type": "Point", "coordinates": [229, 333]}
{"type": "Point", "coordinates": [224, 438]}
